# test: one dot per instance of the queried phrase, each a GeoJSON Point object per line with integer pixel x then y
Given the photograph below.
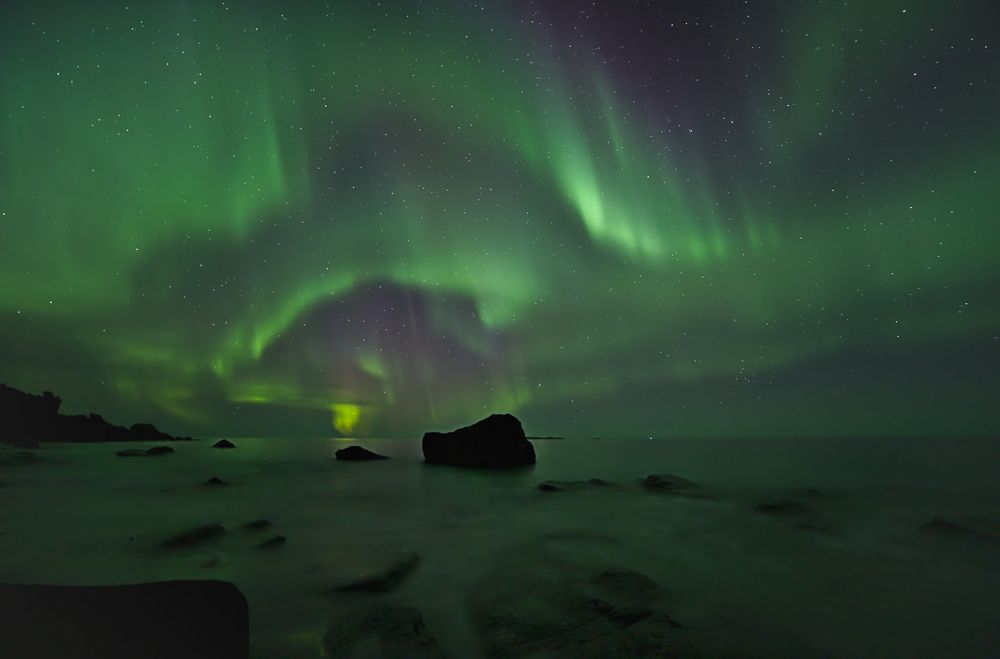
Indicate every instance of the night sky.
{"type": "Point", "coordinates": [615, 219]}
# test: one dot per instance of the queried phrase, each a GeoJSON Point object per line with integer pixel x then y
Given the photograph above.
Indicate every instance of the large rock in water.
{"type": "Point", "coordinates": [496, 442]}
{"type": "Point", "coordinates": [359, 453]}
{"type": "Point", "coordinates": [162, 620]}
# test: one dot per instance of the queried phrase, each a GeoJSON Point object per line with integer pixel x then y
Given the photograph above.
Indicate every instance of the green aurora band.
{"type": "Point", "coordinates": [255, 219]}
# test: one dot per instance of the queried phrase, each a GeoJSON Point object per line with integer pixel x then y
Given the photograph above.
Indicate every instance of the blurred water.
{"type": "Point", "coordinates": [868, 584]}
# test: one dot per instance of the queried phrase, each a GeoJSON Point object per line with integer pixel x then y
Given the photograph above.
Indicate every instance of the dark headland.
{"type": "Point", "coordinates": [29, 419]}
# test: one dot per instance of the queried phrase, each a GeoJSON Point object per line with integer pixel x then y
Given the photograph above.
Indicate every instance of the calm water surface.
{"type": "Point", "coordinates": [869, 584]}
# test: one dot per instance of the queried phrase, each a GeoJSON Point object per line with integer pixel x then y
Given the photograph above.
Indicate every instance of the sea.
{"type": "Point", "coordinates": [855, 571]}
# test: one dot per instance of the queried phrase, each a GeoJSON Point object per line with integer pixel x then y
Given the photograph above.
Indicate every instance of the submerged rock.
{"type": "Point", "coordinates": [193, 537]}
{"type": "Point", "coordinates": [258, 525]}
{"type": "Point", "coordinates": [223, 443]}
{"type": "Point", "coordinates": [215, 481]}
{"type": "Point", "coordinates": [782, 507]}
{"type": "Point", "coordinates": [141, 452]}
{"type": "Point", "coordinates": [381, 578]}
{"type": "Point", "coordinates": [614, 613]}
{"type": "Point", "coordinates": [795, 512]}
{"type": "Point", "coordinates": [971, 528]}
{"type": "Point", "coordinates": [671, 484]}
{"type": "Point", "coordinates": [496, 442]}
{"type": "Point", "coordinates": [273, 542]}
{"type": "Point", "coordinates": [381, 630]}
{"type": "Point", "coordinates": [566, 486]}
{"type": "Point", "coordinates": [358, 453]}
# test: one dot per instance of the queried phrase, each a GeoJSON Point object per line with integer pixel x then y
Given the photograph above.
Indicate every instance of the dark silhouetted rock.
{"type": "Point", "coordinates": [142, 452]}
{"type": "Point", "coordinates": [358, 453]}
{"type": "Point", "coordinates": [27, 420]}
{"type": "Point", "coordinates": [273, 542]}
{"type": "Point", "coordinates": [258, 525]}
{"type": "Point", "coordinates": [162, 620]}
{"type": "Point", "coordinates": [383, 578]}
{"type": "Point", "coordinates": [145, 432]}
{"type": "Point", "coordinates": [566, 486]}
{"type": "Point", "coordinates": [397, 631]}
{"type": "Point", "coordinates": [223, 443]}
{"type": "Point", "coordinates": [215, 481]}
{"type": "Point", "coordinates": [496, 442]}
{"type": "Point", "coordinates": [193, 537]}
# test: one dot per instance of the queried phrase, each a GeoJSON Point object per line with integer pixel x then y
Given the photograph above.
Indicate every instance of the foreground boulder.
{"type": "Point", "coordinates": [162, 620]}
{"type": "Point", "coordinates": [496, 442]}
{"type": "Point", "coordinates": [358, 453]}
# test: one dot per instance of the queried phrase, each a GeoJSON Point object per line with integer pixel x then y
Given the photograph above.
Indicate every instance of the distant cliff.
{"type": "Point", "coordinates": [27, 419]}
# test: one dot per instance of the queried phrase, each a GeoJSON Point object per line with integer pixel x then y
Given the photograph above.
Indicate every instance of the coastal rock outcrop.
{"type": "Point", "coordinates": [496, 442]}
{"type": "Point", "coordinates": [27, 420]}
{"type": "Point", "coordinates": [223, 443]}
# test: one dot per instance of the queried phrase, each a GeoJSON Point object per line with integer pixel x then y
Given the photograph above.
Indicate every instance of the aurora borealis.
{"type": "Point", "coordinates": [614, 219]}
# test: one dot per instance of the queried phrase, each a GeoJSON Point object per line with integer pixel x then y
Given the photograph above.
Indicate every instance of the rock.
{"type": "Point", "coordinates": [381, 578]}
{"type": "Point", "coordinates": [614, 613]}
{"type": "Point", "coordinates": [161, 620]}
{"type": "Point", "coordinates": [358, 453]}
{"type": "Point", "coordinates": [970, 528]}
{"type": "Point", "coordinates": [381, 630]}
{"type": "Point", "coordinates": [273, 542]}
{"type": "Point", "coordinates": [798, 514]}
{"type": "Point", "coordinates": [223, 443]}
{"type": "Point", "coordinates": [782, 507]}
{"type": "Point", "coordinates": [197, 536]}
{"type": "Point", "coordinates": [19, 459]}
{"type": "Point", "coordinates": [215, 481]}
{"type": "Point", "coordinates": [675, 485]}
{"type": "Point", "coordinates": [257, 525]}
{"type": "Point", "coordinates": [565, 486]}
{"type": "Point", "coordinates": [496, 442]}
{"type": "Point", "coordinates": [141, 452]}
